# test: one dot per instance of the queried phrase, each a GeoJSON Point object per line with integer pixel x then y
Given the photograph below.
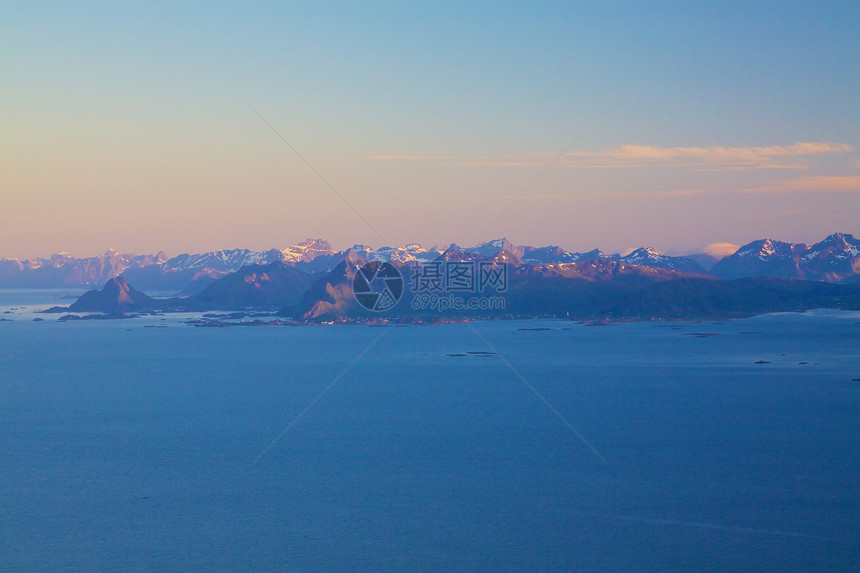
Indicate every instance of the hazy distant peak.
{"type": "Point", "coordinates": [491, 248]}
{"type": "Point", "coordinates": [316, 243]}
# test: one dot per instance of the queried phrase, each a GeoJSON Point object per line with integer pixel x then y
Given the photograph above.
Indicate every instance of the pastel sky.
{"type": "Point", "coordinates": [164, 125]}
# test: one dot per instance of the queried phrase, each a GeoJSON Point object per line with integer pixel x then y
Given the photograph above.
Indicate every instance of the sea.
{"type": "Point", "coordinates": [149, 444]}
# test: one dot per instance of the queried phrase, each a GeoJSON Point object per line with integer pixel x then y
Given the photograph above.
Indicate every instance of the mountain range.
{"type": "Point", "coordinates": [588, 288]}
{"type": "Point", "coordinates": [64, 271]}
{"type": "Point", "coordinates": [834, 259]}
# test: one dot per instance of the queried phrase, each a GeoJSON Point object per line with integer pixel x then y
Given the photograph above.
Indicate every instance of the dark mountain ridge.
{"type": "Point", "coordinates": [117, 296]}
{"type": "Point", "coordinates": [261, 287]}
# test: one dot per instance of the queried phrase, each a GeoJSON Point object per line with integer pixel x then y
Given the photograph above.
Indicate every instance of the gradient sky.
{"type": "Point", "coordinates": [137, 126]}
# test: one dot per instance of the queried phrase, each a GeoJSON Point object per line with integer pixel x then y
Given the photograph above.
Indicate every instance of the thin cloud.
{"type": "Point", "coordinates": [814, 184]}
{"type": "Point", "coordinates": [716, 158]}
{"type": "Point", "coordinates": [663, 193]}
{"type": "Point", "coordinates": [720, 250]}
{"type": "Point", "coordinates": [392, 157]}
{"type": "Point", "coordinates": [498, 163]}
{"type": "Point", "coordinates": [532, 196]}
{"type": "Point", "coordinates": [810, 184]}
{"type": "Point", "coordinates": [721, 154]}
{"type": "Point", "coordinates": [656, 194]}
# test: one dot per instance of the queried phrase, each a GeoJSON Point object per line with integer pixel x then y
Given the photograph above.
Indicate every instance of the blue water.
{"type": "Point", "coordinates": [132, 448]}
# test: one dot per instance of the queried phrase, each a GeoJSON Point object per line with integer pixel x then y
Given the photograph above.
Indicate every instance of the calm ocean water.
{"type": "Point", "coordinates": [133, 448]}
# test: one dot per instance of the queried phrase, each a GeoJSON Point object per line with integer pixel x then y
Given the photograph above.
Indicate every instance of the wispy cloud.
{"type": "Point", "coordinates": [720, 250]}
{"type": "Point", "coordinates": [659, 193]}
{"type": "Point", "coordinates": [394, 157]}
{"type": "Point", "coordinates": [653, 194]}
{"type": "Point", "coordinates": [718, 155]}
{"type": "Point", "coordinates": [810, 184]}
{"type": "Point", "coordinates": [636, 156]}
{"type": "Point", "coordinates": [534, 196]}
{"type": "Point", "coordinates": [814, 184]}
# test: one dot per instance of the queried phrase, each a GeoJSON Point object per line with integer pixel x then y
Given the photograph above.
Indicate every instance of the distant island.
{"type": "Point", "coordinates": [310, 282]}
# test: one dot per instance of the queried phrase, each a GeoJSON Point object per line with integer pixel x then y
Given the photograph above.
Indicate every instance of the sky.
{"type": "Point", "coordinates": [189, 127]}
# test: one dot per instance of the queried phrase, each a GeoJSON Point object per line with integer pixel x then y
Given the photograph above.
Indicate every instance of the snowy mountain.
{"type": "Point", "coordinates": [836, 256]}
{"type": "Point", "coordinates": [492, 248]}
{"type": "Point", "coordinates": [231, 260]}
{"type": "Point", "coordinates": [835, 259]}
{"type": "Point", "coordinates": [645, 256]}
{"type": "Point", "coordinates": [551, 254]}
{"type": "Point", "coordinates": [649, 257]}
{"type": "Point", "coordinates": [411, 253]}
{"type": "Point", "coordinates": [65, 271]}
{"type": "Point", "coordinates": [634, 286]}
{"type": "Point", "coordinates": [184, 271]}
{"type": "Point", "coordinates": [225, 260]}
